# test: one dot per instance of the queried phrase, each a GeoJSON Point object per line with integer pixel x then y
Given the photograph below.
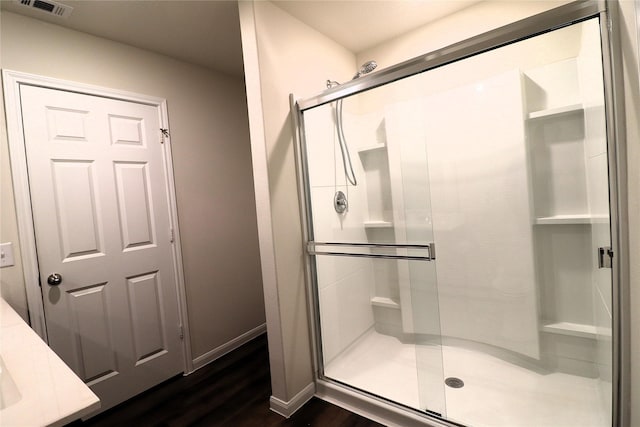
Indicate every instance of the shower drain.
{"type": "Point", "coordinates": [454, 382]}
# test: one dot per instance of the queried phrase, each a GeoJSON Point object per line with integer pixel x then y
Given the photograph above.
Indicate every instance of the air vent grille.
{"type": "Point", "coordinates": [48, 6]}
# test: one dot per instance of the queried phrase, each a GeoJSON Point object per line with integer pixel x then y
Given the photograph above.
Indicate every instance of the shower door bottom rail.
{"type": "Point", "coordinates": [412, 252]}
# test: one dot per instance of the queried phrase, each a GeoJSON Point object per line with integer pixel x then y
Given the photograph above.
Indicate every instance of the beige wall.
{"type": "Point", "coordinates": [287, 57]}
{"type": "Point", "coordinates": [11, 278]}
{"type": "Point", "coordinates": [476, 19]}
{"type": "Point", "coordinates": [212, 162]}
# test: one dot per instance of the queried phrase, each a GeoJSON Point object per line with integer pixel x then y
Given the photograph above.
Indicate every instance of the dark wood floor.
{"type": "Point", "coordinates": [232, 391]}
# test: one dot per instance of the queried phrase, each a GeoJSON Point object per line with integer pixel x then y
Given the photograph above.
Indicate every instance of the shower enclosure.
{"type": "Point", "coordinates": [467, 276]}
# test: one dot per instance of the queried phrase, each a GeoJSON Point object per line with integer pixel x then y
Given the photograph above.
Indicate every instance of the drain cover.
{"type": "Point", "coordinates": [454, 382]}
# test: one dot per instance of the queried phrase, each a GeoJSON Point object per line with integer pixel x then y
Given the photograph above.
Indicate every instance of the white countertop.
{"type": "Point", "coordinates": [40, 389]}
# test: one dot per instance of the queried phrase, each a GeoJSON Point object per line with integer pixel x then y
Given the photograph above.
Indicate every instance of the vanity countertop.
{"type": "Point", "coordinates": [36, 387]}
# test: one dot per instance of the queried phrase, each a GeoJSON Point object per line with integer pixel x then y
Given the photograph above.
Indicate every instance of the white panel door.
{"type": "Point", "coordinates": [102, 222]}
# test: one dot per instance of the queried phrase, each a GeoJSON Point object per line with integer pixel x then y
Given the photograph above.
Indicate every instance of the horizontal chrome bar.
{"type": "Point", "coordinates": [371, 245]}
{"type": "Point", "coordinates": [311, 250]}
{"type": "Point", "coordinates": [399, 257]}
{"type": "Point", "coordinates": [545, 21]}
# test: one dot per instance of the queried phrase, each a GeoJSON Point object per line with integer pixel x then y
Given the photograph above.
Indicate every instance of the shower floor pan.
{"type": "Point", "coordinates": [496, 393]}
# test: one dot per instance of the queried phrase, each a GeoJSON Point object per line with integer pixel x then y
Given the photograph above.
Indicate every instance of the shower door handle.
{"type": "Point", "coordinates": [351, 249]}
{"type": "Point", "coordinates": [605, 254]}
{"type": "Point", "coordinates": [432, 251]}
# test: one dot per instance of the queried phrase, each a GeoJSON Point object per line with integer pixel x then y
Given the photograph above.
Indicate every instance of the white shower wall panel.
{"type": "Point", "coordinates": [330, 226]}
{"type": "Point", "coordinates": [319, 134]}
{"type": "Point", "coordinates": [556, 84]}
{"type": "Point", "coordinates": [565, 274]}
{"type": "Point", "coordinates": [406, 135]}
{"type": "Point", "coordinates": [345, 284]}
{"type": "Point", "coordinates": [559, 165]}
{"type": "Point", "coordinates": [597, 172]}
{"type": "Point", "coordinates": [323, 152]}
{"type": "Point", "coordinates": [592, 91]}
{"type": "Point", "coordinates": [326, 168]}
{"type": "Point", "coordinates": [345, 311]}
{"type": "Point", "coordinates": [481, 212]}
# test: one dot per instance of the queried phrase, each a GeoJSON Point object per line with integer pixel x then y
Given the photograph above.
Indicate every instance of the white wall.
{"type": "Point", "coordinates": [283, 55]}
{"type": "Point", "coordinates": [212, 163]}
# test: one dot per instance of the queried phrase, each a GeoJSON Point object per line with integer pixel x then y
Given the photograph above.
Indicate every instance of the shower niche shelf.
{"type": "Point", "coordinates": [385, 302]}
{"type": "Point", "coordinates": [571, 219]}
{"type": "Point", "coordinates": [565, 139]}
{"type": "Point", "coordinates": [556, 112]}
{"type": "Point", "coordinates": [372, 148]}
{"type": "Point", "coordinates": [375, 164]}
{"type": "Point", "coordinates": [378, 224]}
{"type": "Point", "coordinates": [570, 329]}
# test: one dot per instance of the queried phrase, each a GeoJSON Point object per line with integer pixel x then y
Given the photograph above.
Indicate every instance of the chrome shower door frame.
{"type": "Point", "coordinates": [577, 11]}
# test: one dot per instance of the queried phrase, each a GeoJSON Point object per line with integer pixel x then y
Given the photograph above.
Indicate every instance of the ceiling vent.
{"type": "Point", "coordinates": [48, 6]}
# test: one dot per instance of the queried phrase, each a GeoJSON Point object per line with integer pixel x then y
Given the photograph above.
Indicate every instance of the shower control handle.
{"type": "Point", "coordinates": [340, 203]}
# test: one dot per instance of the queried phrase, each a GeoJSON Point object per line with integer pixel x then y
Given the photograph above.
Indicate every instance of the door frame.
{"type": "Point", "coordinates": [12, 80]}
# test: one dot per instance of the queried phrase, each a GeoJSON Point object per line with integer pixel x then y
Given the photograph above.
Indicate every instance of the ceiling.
{"type": "Point", "coordinates": [207, 32]}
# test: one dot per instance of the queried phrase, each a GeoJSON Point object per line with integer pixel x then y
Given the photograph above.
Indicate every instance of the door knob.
{"type": "Point", "coordinates": [54, 279]}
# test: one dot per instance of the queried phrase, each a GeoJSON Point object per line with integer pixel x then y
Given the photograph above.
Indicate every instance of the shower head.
{"type": "Point", "coordinates": [366, 68]}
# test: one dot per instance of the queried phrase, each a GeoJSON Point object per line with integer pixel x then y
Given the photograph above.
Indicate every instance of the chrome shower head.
{"type": "Point", "coordinates": [366, 68]}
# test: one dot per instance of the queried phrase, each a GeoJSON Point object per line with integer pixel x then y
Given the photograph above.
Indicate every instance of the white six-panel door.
{"type": "Point", "coordinates": [102, 221]}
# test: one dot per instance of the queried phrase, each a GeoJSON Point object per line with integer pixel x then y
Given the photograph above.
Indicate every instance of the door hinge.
{"type": "Point", "coordinates": [605, 254]}
{"type": "Point", "coordinates": [165, 134]}
{"type": "Point", "coordinates": [181, 332]}
{"type": "Point", "coordinates": [171, 235]}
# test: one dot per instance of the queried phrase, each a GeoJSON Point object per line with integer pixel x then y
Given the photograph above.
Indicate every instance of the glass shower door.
{"type": "Point", "coordinates": [373, 258]}
{"type": "Point", "coordinates": [467, 274]}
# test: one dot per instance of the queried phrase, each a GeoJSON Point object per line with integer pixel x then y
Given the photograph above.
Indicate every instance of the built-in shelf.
{"type": "Point", "coordinates": [571, 219]}
{"type": "Point", "coordinates": [378, 224]}
{"type": "Point", "coordinates": [554, 112]}
{"type": "Point", "coordinates": [384, 302]}
{"type": "Point", "coordinates": [371, 148]}
{"type": "Point", "coordinates": [571, 329]}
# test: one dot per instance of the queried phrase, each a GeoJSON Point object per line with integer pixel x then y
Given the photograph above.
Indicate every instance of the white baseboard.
{"type": "Point", "coordinates": [286, 409]}
{"type": "Point", "coordinates": [220, 351]}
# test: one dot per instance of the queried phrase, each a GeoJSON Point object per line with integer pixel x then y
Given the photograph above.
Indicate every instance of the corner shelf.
{"type": "Point", "coordinates": [555, 112]}
{"type": "Point", "coordinates": [571, 219]}
{"type": "Point", "coordinates": [378, 224]}
{"type": "Point", "coordinates": [385, 302]}
{"type": "Point", "coordinates": [571, 329]}
{"type": "Point", "coordinates": [371, 148]}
